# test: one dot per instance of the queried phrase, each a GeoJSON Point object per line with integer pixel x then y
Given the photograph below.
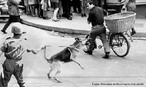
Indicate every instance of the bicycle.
{"type": "Point", "coordinates": [119, 24]}
{"type": "Point", "coordinates": [119, 44]}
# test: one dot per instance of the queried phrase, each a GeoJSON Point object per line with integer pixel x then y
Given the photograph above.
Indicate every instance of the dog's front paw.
{"type": "Point", "coordinates": [82, 68]}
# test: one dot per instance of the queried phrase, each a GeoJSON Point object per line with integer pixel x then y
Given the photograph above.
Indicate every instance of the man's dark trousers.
{"type": "Point", "coordinates": [101, 32]}
{"type": "Point", "coordinates": [11, 19]}
{"type": "Point", "coordinates": [66, 4]}
{"type": "Point", "coordinates": [10, 67]}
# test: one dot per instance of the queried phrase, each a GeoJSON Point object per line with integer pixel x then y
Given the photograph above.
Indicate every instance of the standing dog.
{"type": "Point", "coordinates": [66, 55]}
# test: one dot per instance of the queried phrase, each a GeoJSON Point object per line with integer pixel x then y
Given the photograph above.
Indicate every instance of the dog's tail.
{"type": "Point", "coordinates": [48, 60]}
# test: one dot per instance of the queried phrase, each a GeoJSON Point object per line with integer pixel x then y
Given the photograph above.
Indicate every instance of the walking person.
{"type": "Point", "coordinates": [14, 14]}
{"type": "Point", "coordinates": [76, 6]}
{"type": "Point", "coordinates": [37, 8]}
{"type": "Point", "coordinates": [27, 11]}
{"type": "Point", "coordinates": [66, 5]}
{"type": "Point", "coordinates": [13, 50]}
{"type": "Point", "coordinates": [55, 5]}
{"type": "Point", "coordinates": [83, 8]}
{"type": "Point", "coordinates": [44, 7]}
{"type": "Point", "coordinates": [32, 7]}
{"type": "Point", "coordinates": [96, 18]}
{"type": "Point", "coordinates": [131, 6]}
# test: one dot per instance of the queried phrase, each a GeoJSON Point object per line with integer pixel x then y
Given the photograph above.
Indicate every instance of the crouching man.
{"type": "Point", "coordinates": [13, 50]}
{"type": "Point", "coordinates": [96, 18]}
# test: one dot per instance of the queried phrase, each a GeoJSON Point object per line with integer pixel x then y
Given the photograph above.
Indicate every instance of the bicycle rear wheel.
{"type": "Point", "coordinates": [119, 44]}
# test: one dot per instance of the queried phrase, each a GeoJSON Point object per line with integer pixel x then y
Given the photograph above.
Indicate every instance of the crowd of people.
{"type": "Point", "coordinates": [62, 8]}
{"type": "Point", "coordinates": [40, 8]}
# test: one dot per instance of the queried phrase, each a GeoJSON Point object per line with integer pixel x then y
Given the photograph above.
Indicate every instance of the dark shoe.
{"type": "Point", "coordinates": [71, 14]}
{"type": "Point", "coordinates": [83, 15]}
{"type": "Point", "coordinates": [64, 15]}
{"type": "Point", "coordinates": [88, 52]}
{"type": "Point", "coordinates": [21, 84]}
{"type": "Point", "coordinates": [106, 56]}
{"type": "Point", "coordinates": [4, 31]}
{"type": "Point", "coordinates": [55, 20]}
{"type": "Point", "coordinates": [75, 11]}
{"type": "Point", "coordinates": [59, 16]}
{"type": "Point", "coordinates": [40, 16]}
{"type": "Point", "coordinates": [69, 18]}
{"type": "Point", "coordinates": [46, 18]}
{"type": "Point", "coordinates": [133, 32]}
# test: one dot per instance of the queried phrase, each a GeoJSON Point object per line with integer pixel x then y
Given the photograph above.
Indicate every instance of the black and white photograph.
{"type": "Point", "coordinates": [72, 43]}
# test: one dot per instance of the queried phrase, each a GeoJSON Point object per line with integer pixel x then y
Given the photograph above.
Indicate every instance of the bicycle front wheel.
{"type": "Point", "coordinates": [119, 44]}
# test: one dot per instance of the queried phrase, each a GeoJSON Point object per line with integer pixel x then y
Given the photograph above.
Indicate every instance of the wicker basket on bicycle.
{"type": "Point", "coordinates": [120, 22]}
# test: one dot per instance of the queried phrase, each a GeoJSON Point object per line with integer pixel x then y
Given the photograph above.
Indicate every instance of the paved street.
{"type": "Point", "coordinates": [124, 72]}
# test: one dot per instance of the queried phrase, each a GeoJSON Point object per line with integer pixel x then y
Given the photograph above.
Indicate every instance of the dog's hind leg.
{"type": "Point", "coordinates": [53, 77]}
{"type": "Point", "coordinates": [49, 77]}
{"type": "Point", "coordinates": [58, 71]}
{"type": "Point", "coordinates": [54, 71]}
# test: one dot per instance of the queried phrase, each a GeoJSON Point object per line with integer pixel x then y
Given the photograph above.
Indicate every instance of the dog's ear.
{"type": "Point", "coordinates": [77, 39]}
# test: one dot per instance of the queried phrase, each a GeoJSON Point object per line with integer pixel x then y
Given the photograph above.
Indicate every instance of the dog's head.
{"type": "Point", "coordinates": [77, 45]}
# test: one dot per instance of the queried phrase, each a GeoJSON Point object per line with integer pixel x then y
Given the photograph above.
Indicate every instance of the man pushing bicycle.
{"type": "Point", "coordinates": [96, 18]}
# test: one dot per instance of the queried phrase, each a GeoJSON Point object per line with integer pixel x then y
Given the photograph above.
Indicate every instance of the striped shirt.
{"type": "Point", "coordinates": [13, 48]}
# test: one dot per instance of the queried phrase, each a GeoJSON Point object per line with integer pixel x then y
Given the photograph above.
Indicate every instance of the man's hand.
{"type": "Point", "coordinates": [31, 51]}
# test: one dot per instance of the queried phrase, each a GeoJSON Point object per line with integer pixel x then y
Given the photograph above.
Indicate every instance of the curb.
{"type": "Point", "coordinates": [56, 29]}
{"type": "Point", "coordinates": [69, 31]}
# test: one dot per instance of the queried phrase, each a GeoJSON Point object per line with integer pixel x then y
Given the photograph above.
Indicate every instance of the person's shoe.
{"type": "Point", "coordinates": [88, 52]}
{"type": "Point", "coordinates": [4, 31]}
{"type": "Point", "coordinates": [55, 20]}
{"type": "Point", "coordinates": [133, 32]}
{"type": "Point", "coordinates": [75, 11]}
{"type": "Point", "coordinates": [21, 84]}
{"type": "Point", "coordinates": [106, 56]}
{"type": "Point", "coordinates": [59, 16]}
{"type": "Point", "coordinates": [69, 18]}
{"type": "Point", "coordinates": [64, 15]}
{"type": "Point", "coordinates": [71, 14]}
{"type": "Point", "coordinates": [46, 18]}
{"type": "Point", "coordinates": [82, 15]}
{"type": "Point", "coordinates": [85, 15]}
